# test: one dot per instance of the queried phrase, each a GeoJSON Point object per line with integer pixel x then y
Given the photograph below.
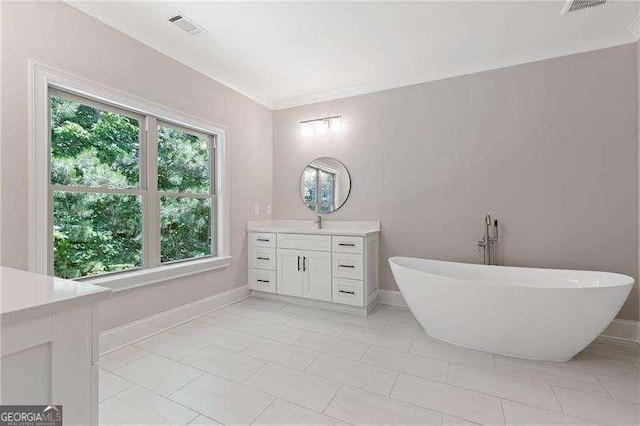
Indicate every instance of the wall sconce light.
{"type": "Point", "coordinates": [321, 126]}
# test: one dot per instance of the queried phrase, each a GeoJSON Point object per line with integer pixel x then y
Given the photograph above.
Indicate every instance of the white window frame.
{"type": "Point", "coordinates": [42, 78]}
{"type": "Point", "coordinates": [320, 166]}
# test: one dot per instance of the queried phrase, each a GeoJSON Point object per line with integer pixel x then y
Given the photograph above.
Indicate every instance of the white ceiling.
{"type": "Point", "coordinates": [288, 54]}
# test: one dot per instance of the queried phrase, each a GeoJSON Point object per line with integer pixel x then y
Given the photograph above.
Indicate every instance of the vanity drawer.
{"type": "Point", "coordinates": [348, 265]}
{"type": "Point", "coordinates": [262, 258]}
{"type": "Point", "coordinates": [304, 242]}
{"type": "Point", "coordinates": [262, 280]}
{"type": "Point", "coordinates": [349, 292]}
{"type": "Point", "coordinates": [260, 239]}
{"type": "Point", "coordinates": [347, 244]}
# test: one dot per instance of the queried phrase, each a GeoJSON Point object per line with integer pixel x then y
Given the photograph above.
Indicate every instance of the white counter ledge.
{"type": "Point", "coordinates": [26, 295]}
{"type": "Point", "coordinates": [329, 227]}
{"type": "Point", "coordinates": [49, 346]}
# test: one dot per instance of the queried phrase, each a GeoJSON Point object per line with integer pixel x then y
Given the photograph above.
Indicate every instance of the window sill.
{"type": "Point", "coordinates": [144, 277]}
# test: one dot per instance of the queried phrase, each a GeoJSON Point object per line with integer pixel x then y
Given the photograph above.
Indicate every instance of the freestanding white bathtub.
{"type": "Point", "coordinates": [543, 314]}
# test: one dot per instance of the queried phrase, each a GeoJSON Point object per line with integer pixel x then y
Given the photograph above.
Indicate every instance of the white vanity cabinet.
{"type": "Point", "coordinates": [321, 266]}
{"type": "Point", "coordinates": [304, 266]}
{"type": "Point", "coordinates": [49, 343]}
{"type": "Point", "coordinates": [304, 274]}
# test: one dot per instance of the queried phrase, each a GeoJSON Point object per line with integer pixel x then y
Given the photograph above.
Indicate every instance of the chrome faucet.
{"type": "Point", "coordinates": [488, 243]}
{"type": "Point", "coordinates": [318, 221]}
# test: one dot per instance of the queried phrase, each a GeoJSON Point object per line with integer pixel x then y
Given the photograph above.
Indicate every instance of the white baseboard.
{"type": "Point", "coordinates": [318, 304]}
{"type": "Point", "coordinates": [118, 337]}
{"type": "Point", "coordinates": [623, 330]}
{"type": "Point", "coordinates": [618, 329]}
{"type": "Point", "coordinates": [393, 298]}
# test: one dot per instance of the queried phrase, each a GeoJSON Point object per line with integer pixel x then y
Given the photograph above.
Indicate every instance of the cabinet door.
{"type": "Point", "coordinates": [290, 273]}
{"type": "Point", "coordinates": [317, 275]}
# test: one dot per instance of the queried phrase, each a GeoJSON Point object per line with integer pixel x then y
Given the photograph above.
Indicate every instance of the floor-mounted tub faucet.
{"type": "Point", "coordinates": [488, 243]}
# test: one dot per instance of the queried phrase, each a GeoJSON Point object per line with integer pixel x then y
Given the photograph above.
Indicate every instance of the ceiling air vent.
{"type": "Point", "coordinates": [187, 25]}
{"type": "Point", "coordinates": [576, 5]}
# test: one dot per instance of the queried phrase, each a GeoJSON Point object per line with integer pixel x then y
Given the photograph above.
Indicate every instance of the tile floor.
{"type": "Point", "coordinates": [266, 362]}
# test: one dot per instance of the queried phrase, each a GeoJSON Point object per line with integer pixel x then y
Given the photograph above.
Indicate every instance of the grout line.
{"type": "Point", "coordinates": [420, 407]}
{"type": "Point", "coordinates": [553, 385]}
{"type": "Point", "coordinates": [364, 353]}
{"type": "Point", "coordinates": [198, 414]}
{"type": "Point", "coordinates": [332, 398]}
{"type": "Point", "coordinates": [309, 409]}
{"type": "Point", "coordinates": [131, 384]}
{"type": "Point", "coordinates": [281, 398]}
{"type": "Point", "coordinates": [413, 342]}
{"type": "Point", "coordinates": [475, 391]}
{"type": "Point", "coordinates": [186, 384]}
{"type": "Point", "coordinates": [348, 327]}
{"type": "Point", "coordinates": [393, 386]}
{"type": "Point", "coordinates": [262, 367]}
{"type": "Point", "coordinates": [603, 386]}
{"type": "Point", "coordinates": [244, 331]}
{"type": "Point", "coordinates": [263, 411]}
{"type": "Point", "coordinates": [573, 415]}
{"type": "Point", "coordinates": [558, 399]}
{"type": "Point", "coordinates": [196, 368]}
{"type": "Point", "coordinates": [543, 382]}
{"type": "Point", "coordinates": [330, 380]}
{"type": "Point", "coordinates": [313, 362]}
{"type": "Point", "coordinates": [504, 417]}
{"type": "Point", "coordinates": [129, 362]}
{"type": "Point", "coordinates": [164, 396]}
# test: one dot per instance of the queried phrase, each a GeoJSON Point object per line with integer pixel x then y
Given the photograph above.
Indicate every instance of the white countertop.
{"type": "Point", "coordinates": [329, 227]}
{"type": "Point", "coordinates": [25, 294]}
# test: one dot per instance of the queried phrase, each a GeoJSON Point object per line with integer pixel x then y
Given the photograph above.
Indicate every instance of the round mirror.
{"type": "Point", "coordinates": [325, 185]}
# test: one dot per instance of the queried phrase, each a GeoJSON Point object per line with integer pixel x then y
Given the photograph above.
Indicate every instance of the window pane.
{"type": "Point", "coordinates": [310, 187]}
{"type": "Point", "coordinates": [183, 161]}
{"type": "Point", "coordinates": [327, 184]}
{"type": "Point", "coordinates": [92, 147]}
{"type": "Point", "coordinates": [185, 228]}
{"type": "Point", "coordinates": [96, 233]}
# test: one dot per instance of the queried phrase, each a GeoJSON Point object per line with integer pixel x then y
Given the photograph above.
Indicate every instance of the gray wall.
{"type": "Point", "coordinates": [548, 148]}
{"type": "Point", "coordinates": [63, 37]}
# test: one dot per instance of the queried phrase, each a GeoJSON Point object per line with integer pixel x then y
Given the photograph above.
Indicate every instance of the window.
{"type": "Point", "coordinates": [128, 191]}
{"type": "Point", "coordinates": [185, 163]}
{"type": "Point", "coordinates": [320, 189]}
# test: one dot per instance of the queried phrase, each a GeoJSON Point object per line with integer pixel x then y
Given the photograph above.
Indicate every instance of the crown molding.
{"type": "Point", "coordinates": [621, 37]}
{"type": "Point", "coordinates": [626, 35]}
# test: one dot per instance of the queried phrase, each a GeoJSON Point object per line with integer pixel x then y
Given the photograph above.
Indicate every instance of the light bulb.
{"type": "Point", "coordinates": [322, 126]}
{"type": "Point", "coordinates": [335, 124]}
{"type": "Point", "coordinates": [307, 128]}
